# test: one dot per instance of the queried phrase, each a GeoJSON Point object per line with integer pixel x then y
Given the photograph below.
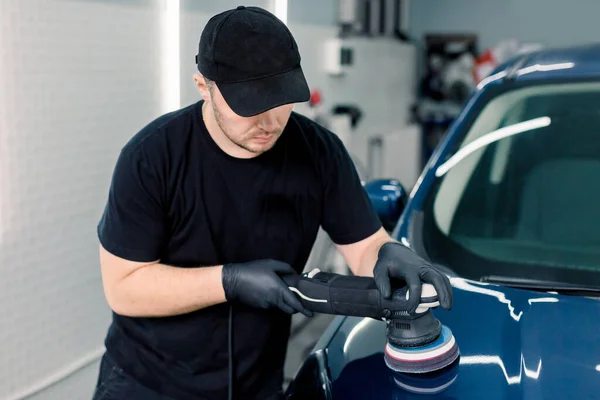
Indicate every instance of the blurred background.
{"type": "Point", "coordinates": [79, 77]}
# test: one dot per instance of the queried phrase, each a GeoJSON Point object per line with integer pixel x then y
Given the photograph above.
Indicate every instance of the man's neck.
{"type": "Point", "coordinates": [219, 137]}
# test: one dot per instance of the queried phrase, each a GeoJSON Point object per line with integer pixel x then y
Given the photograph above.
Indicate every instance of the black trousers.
{"type": "Point", "coordinates": [114, 384]}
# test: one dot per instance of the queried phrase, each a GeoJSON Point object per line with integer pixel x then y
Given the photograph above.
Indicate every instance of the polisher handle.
{"type": "Point", "coordinates": [330, 293]}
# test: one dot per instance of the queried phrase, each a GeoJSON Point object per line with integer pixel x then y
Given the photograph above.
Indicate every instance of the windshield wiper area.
{"type": "Point", "coordinates": [546, 286]}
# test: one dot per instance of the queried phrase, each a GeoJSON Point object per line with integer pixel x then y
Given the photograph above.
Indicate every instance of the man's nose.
{"type": "Point", "coordinates": [267, 121]}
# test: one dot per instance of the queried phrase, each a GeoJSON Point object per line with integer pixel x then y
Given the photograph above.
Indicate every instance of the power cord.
{"type": "Point", "coordinates": [230, 351]}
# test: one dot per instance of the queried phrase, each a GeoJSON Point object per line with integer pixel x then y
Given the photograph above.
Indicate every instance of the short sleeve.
{"type": "Point", "coordinates": [349, 215]}
{"type": "Point", "coordinates": [132, 224]}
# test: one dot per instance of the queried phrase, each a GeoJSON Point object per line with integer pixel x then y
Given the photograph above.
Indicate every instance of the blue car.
{"type": "Point", "coordinates": [509, 203]}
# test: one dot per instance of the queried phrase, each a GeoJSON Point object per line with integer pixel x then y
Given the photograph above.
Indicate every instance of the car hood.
{"type": "Point", "coordinates": [514, 344]}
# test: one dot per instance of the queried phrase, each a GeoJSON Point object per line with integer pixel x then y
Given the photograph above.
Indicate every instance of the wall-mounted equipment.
{"type": "Point", "coordinates": [338, 56]}
{"type": "Point", "coordinates": [373, 18]}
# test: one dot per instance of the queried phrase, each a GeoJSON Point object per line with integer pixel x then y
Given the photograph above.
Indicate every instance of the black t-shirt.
{"type": "Point", "coordinates": [177, 197]}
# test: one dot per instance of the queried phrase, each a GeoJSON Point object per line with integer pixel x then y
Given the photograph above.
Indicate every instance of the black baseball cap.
{"type": "Point", "coordinates": [254, 60]}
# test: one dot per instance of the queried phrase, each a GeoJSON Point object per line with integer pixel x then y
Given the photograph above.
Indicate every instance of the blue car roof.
{"type": "Point", "coordinates": [554, 63]}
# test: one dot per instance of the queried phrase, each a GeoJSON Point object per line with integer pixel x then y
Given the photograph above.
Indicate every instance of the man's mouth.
{"type": "Point", "coordinates": [263, 139]}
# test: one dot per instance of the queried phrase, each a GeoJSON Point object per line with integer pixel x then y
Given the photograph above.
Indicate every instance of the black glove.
{"type": "Point", "coordinates": [398, 261]}
{"type": "Point", "coordinates": [257, 284]}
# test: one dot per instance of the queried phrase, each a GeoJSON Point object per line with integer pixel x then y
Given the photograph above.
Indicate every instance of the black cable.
{"type": "Point", "coordinates": [397, 16]}
{"type": "Point", "coordinates": [382, 20]}
{"type": "Point", "coordinates": [230, 345]}
{"type": "Point", "coordinates": [367, 19]}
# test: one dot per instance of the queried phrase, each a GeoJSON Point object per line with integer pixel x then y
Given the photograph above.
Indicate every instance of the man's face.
{"type": "Point", "coordinates": [255, 134]}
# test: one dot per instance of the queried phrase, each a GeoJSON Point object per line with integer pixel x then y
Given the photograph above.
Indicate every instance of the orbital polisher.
{"type": "Point", "coordinates": [416, 342]}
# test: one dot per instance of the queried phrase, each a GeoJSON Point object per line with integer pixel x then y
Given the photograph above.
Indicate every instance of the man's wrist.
{"type": "Point", "coordinates": [366, 268]}
{"type": "Point", "coordinates": [225, 274]}
{"type": "Point", "coordinates": [383, 244]}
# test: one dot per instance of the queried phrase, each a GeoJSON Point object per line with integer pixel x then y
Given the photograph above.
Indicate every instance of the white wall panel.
{"type": "Point", "coordinates": [381, 81]}
{"type": "Point", "coordinates": [77, 79]}
{"type": "Point", "coordinates": [192, 24]}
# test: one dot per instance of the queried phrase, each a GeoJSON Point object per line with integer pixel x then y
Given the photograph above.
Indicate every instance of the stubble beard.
{"type": "Point", "coordinates": [237, 142]}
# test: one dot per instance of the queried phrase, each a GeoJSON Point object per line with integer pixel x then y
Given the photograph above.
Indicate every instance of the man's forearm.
{"type": "Point", "coordinates": [161, 290]}
{"type": "Point", "coordinates": [369, 254]}
{"type": "Point", "coordinates": [369, 258]}
{"type": "Point", "coordinates": [362, 256]}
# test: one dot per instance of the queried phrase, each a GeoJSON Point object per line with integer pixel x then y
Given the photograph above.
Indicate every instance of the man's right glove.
{"type": "Point", "coordinates": [257, 284]}
{"type": "Point", "coordinates": [398, 261]}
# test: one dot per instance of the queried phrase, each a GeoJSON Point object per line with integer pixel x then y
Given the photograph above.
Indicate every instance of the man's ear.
{"type": "Point", "coordinates": [202, 87]}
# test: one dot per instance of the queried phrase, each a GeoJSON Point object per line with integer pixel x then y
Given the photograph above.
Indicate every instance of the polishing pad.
{"type": "Point", "coordinates": [430, 383]}
{"type": "Point", "coordinates": [431, 357]}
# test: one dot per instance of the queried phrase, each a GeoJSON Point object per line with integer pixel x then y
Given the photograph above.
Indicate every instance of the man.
{"type": "Point", "coordinates": [209, 205]}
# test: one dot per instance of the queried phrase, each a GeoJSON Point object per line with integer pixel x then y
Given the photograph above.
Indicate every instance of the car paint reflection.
{"type": "Point", "coordinates": [430, 383]}
{"type": "Point", "coordinates": [501, 296]}
{"type": "Point", "coordinates": [496, 360]}
{"type": "Point", "coordinates": [514, 343]}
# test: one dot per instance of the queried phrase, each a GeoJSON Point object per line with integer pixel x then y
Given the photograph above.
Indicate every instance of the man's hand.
{"type": "Point", "coordinates": [398, 261]}
{"type": "Point", "coordinates": [257, 284]}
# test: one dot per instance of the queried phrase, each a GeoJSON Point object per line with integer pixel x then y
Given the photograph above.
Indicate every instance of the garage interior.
{"type": "Point", "coordinates": [79, 77]}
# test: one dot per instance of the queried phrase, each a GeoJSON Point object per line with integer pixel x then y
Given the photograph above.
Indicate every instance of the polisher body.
{"type": "Point", "coordinates": [416, 342]}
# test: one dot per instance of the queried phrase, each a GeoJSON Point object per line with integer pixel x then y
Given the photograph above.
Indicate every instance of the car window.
{"type": "Point", "coordinates": [521, 194]}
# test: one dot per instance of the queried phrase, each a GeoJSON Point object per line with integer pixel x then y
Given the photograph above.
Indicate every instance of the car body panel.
{"type": "Point", "coordinates": [514, 343]}
{"type": "Point", "coordinates": [511, 348]}
{"type": "Point", "coordinates": [567, 63]}
{"type": "Point", "coordinates": [576, 62]}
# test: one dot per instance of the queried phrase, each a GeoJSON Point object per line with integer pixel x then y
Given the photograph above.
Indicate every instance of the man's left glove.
{"type": "Point", "coordinates": [398, 261]}
{"type": "Point", "coordinates": [259, 284]}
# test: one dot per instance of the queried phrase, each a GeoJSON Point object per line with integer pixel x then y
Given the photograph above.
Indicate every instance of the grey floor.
{"type": "Point", "coordinates": [80, 385]}
{"type": "Point", "coordinates": [308, 332]}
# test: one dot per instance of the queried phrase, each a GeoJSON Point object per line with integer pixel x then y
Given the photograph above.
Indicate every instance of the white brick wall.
{"type": "Point", "coordinates": [77, 79]}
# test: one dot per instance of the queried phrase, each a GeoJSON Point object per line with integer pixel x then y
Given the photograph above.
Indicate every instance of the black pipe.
{"type": "Point", "coordinates": [397, 16]}
{"type": "Point", "coordinates": [382, 16]}
{"type": "Point", "coordinates": [367, 18]}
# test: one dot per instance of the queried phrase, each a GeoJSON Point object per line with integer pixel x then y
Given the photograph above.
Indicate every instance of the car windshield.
{"type": "Point", "coordinates": [520, 194]}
